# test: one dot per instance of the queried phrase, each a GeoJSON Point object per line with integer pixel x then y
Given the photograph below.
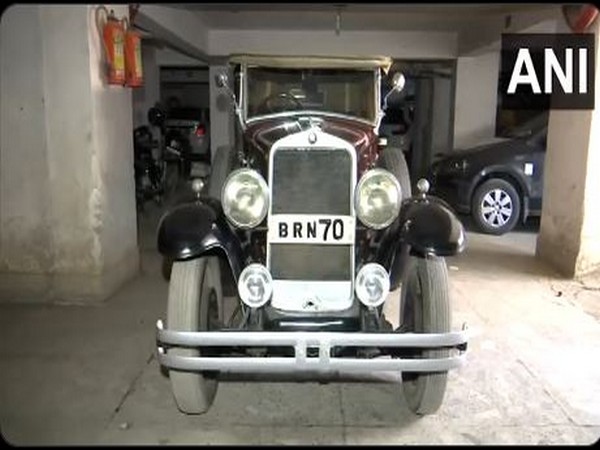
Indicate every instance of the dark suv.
{"type": "Point", "coordinates": [307, 225]}
{"type": "Point", "coordinates": [498, 183]}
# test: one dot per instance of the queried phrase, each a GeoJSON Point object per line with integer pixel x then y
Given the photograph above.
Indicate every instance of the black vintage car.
{"type": "Point", "coordinates": [308, 224]}
{"type": "Point", "coordinates": [498, 183]}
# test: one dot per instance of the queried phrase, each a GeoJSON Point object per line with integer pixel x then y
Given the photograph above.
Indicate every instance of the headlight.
{"type": "Point", "coordinates": [245, 198]}
{"type": "Point", "coordinates": [372, 285]}
{"type": "Point", "coordinates": [377, 198]}
{"type": "Point", "coordinates": [454, 167]}
{"type": "Point", "coordinates": [255, 285]}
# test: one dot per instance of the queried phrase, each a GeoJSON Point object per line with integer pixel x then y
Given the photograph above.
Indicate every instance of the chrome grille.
{"type": "Point", "coordinates": [312, 181]}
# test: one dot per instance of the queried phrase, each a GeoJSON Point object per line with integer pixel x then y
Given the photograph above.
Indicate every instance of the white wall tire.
{"type": "Point", "coordinates": [194, 293]}
{"type": "Point", "coordinates": [425, 308]}
{"type": "Point", "coordinates": [392, 159]}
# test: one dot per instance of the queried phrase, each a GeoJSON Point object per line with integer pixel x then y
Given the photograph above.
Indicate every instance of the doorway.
{"type": "Point", "coordinates": [420, 119]}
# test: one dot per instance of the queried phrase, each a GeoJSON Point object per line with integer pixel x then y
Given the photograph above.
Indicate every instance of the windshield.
{"type": "Point", "coordinates": [532, 126]}
{"type": "Point", "coordinates": [342, 91]}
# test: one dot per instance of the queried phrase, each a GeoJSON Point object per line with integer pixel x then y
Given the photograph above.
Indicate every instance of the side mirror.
{"type": "Point", "coordinates": [156, 116]}
{"type": "Point", "coordinates": [221, 80]}
{"type": "Point", "coordinates": [398, 81]}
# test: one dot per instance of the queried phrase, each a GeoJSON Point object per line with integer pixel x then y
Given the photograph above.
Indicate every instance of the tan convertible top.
{"type": "Point", "coordinates": [313, 62]}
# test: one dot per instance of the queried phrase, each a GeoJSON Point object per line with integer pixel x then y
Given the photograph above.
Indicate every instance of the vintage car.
{"type": "Point", "coordinates": [307, 224]}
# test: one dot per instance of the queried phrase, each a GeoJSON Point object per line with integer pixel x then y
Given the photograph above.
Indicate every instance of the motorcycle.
{"type": "Point", "coordinates": [176, 154]}
{"type": "Point", "coordinates": [149, 171]}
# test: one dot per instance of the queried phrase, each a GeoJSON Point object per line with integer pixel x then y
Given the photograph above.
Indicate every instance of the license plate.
{"type": "Point", "coordinates": [311, 229]}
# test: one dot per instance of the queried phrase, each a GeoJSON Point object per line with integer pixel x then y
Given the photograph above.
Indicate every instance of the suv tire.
{"type": "Point", "coordinates": [496, 206]}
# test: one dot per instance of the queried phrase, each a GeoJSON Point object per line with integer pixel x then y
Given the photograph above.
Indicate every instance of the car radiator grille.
{"type": "Point", "coordinates": [312, 181]}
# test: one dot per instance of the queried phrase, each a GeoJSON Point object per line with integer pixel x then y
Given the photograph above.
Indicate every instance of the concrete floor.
{"type": "Point", "coordinates": [87, 374]}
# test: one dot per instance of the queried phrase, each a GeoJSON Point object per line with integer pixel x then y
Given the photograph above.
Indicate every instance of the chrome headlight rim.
{"type": "Point", "coordinates": [360, 289]}
{"type": "Point", "coordinates": [364, 179]}
{"type": "Point", "coordinates": [265, 192]}
{"type": "Point", "coordinates": [255, 270]}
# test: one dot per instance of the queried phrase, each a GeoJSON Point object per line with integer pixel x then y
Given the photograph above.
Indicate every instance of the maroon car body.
{"type": "Point", "coordinates": [312, 219]}
{"type": "Point", "coordinates": [262, 134]}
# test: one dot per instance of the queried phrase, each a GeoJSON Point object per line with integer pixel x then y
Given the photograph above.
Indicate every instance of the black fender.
{"type": "Point", "coordinates": [199, 228]}
{"type": "Point", "coordinates": [426, 225]}
{"type": "Point", "coordinates": [430, 226]}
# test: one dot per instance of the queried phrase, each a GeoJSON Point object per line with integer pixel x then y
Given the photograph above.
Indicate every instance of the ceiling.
{"type": "Point", "coordinates": [355, 16]}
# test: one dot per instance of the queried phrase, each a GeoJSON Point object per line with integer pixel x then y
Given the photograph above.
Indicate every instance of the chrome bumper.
{"type": "Point", "coordinates": [301, 341]}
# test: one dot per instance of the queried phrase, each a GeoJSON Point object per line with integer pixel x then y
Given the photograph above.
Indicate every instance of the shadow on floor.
{"type": "Point", "coordinates": [504, 261]}
{"type": "Point", "coordinates": [531, 226]}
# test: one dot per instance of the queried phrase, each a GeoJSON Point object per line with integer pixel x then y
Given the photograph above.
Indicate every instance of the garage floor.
{"type": "Point", "coordinates": [88, 374]}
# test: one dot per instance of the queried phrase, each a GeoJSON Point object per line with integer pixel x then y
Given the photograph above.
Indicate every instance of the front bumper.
{"type": "Point", "coordinates": [301, 342]}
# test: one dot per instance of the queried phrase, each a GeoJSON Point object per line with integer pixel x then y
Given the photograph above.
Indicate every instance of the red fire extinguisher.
{"type": "Point", "coordinates": [580, 17]}
{"type": "Point", "coordinates": [134, 74]}
{"type": "Point", "coordinates": [113, 42]}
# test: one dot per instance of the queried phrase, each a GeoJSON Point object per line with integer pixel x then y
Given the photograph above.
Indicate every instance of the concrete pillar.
{"type": "Point", "coordinates": [67, 202]}
{"type": "Point", "coordinates": [569, 237]}
{"type": "Point", "coordinates": [221, 110]}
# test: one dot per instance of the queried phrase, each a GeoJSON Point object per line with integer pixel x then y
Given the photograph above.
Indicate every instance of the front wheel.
{"type": "Point", "coordinates": [425, 308]}
{"type": "Point", "coordinates": [392, 159]}
{"type": "Point", "coordinates": [195, 304]}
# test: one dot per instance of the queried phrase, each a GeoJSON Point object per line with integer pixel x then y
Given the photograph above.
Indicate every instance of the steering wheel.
{"type": "Point", "coordinates": [279, 102]}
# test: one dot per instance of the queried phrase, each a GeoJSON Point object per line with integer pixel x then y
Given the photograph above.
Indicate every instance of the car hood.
{"type": "Point", "coordinates": [263, 133]}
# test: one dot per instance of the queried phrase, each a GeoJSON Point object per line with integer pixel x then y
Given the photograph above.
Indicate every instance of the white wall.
{"type": "Point", "coordinates": [569, 237]}
{"type": "Point", "coordinates": [477, 89]}
{"type": "Point", "coordinates": [482, 33]}
{"type": "Point", "coordinates": [25, 208]}
{"type": "Point", "coordinates": [113, 196]}
{"type": "Point", "coordinates": [168, 57]}
{"type": "Point", "coordinates": [476, 98]}
{"type": "Point", "coordinates": [589, 255]}
{"type": "Point", "coordinates": [69, 135]}
{"type": "Point", "coordinates": [408, 44]}
{"type": "Point", "coordinates": [184, 30]}
{"type": "Point", "coordinates": [67, 217]}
